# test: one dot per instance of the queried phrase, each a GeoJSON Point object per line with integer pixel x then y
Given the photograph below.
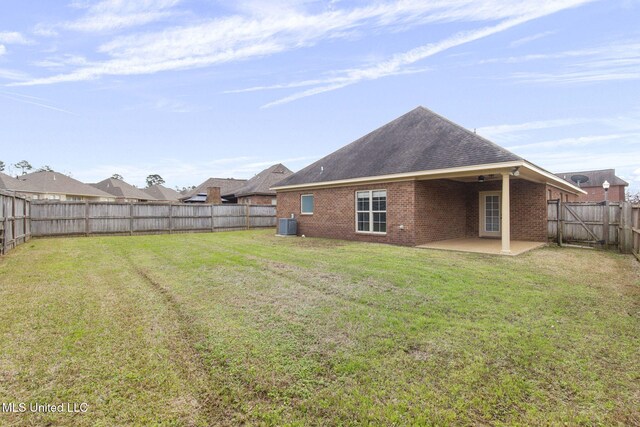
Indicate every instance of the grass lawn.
{"type": "Point", "coordinates": [244, 327]}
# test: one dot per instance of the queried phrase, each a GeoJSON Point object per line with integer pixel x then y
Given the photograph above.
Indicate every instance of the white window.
{"type": "Point", "coordinates": [306, 204]}
{"type": "Point", "coordinates": [274, 201]}
{"type": "Point", "coordinates": [371, 211]}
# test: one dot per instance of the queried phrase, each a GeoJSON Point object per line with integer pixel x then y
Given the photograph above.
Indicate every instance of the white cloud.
{"type": "Point", "coordinates": [110, 15]}
{"type": "Point", "coordinates": [32, 100]}
{"type": "Point", "coordinates": [530, 38]}
{"type": "Point", "coordinates": [13, 37]}
{"type": "Point", "coordinates": [3, 49]}
{"type": "Point", "coordinates": [7, 74]}
{"type": "Point", "coordinates": [268, 30]}
{"type": "Point", "coordinates": [395, 65]}
{"type": "Point", "coordinates": [619, 60]}
{"type": "Point", "coordinates": [628, 138]}
{"type": "Point", "coordinates": [512, 131]}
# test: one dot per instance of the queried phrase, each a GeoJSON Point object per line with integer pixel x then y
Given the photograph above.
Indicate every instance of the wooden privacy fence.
{"type": "Point", "coordinates": [592, 223]}
{"type": "Point", "coordinates": [15, 225]}
{"type": "Point", "coordinates": [50, 218]}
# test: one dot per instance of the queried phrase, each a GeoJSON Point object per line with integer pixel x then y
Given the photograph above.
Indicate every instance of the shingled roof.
{"type": "Point", "coordinates": [226, 185]}
{"type": "Point", "coordinates": [595, 178]}
{"type": "Point", "coordinates": [44, 182]}
{"type": "Point", "coordinates": [11, 184]}
{"type": "Point", "coordinates": [121, 189]}
{"type": "Point", "coordinates": [160, 192]}
{"type": "Point", "coordinates": [260, 185]}
{"type": "Point", "coordinates": [420, 140]}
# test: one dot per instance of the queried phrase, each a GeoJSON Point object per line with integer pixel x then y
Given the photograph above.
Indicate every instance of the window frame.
{"type": "Point", "coordinates": [314, 204]}
{"type": "Point", "coordinates": [371, 211]}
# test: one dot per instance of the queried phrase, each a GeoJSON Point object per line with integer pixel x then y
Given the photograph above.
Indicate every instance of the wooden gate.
{"type": "Point", "coordinates": [591, 223]}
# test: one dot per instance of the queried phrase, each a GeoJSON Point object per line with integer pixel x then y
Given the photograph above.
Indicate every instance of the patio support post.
{"type": "Point", "coordinates": [505, 226]}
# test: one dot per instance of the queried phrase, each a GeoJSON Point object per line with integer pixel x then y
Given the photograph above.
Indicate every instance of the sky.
{"type": "Point", "coordinates": [192, 89]}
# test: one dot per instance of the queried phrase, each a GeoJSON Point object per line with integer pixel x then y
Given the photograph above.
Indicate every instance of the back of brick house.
{"type": "Point", "coordinates": [419, 179]}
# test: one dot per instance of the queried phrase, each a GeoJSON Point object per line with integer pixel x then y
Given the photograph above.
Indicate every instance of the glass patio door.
{"type": "Point", "coordinates": [490, 205]}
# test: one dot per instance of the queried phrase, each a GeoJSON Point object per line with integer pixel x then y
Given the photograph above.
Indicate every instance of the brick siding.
{"type": "Point", "coordinates": [428, 211]}
{"type": "Point", "coordinates": [596, 194]}
{"type": "Point", "coordinates": [256, 200]}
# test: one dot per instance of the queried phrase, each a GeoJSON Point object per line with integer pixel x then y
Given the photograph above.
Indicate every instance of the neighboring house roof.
{"type": "Point", "coordinates": [594, 178]}
{"type": "Point", "coordinates": [261, 183]}
{"type": "Point", "coordinates": [226, 185]}
{"type": "Point", "coordinates": [160, 192]}
{"type": "Point", "coordinates": [121, 189]}
{"type": "Point", "coordinates": [420, 140]}
{"type": "Point", "coordinates": [45, 182]}
{"type": "Point", "coordinates": [10, 183]}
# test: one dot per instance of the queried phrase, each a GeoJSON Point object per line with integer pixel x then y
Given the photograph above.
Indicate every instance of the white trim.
{"type": "Point", "coordinates": [443, 173]}
{"type": "Point", "coordinates": [314, 204]}
{"type": "Point", "coordinates": [482, 214]}
{"type": "Point", "coordinates": [401, 176]}
{"type": "Point", "coordinates": [355, 197]}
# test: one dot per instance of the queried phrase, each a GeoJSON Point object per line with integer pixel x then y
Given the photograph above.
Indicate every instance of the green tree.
{"type": "Point", "coordinates": [24, 165]}
{"type": "Point", "coordinates": [45, 168]}
{"type": "Point", "coordinates": [117, 176]}
{"type": "Point", "coordinates": [1, 165]}
{"type": "Point", "coordinates": [154, 180]}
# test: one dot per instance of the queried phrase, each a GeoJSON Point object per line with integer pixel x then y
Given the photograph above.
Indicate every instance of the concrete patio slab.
{"type": "Point", "coordinates": [483, 246]}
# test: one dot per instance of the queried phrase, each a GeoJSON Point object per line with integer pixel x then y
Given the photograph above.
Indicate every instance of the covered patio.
{"type": "Point", "coordinates": [483, 246]}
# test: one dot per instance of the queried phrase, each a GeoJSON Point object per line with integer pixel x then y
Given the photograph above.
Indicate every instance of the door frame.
{"type": "Point", "coordinates": [482, 214]}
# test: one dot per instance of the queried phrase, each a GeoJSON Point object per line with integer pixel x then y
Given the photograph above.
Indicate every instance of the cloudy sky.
{"type": "Point", "coordinates": [191, 89]}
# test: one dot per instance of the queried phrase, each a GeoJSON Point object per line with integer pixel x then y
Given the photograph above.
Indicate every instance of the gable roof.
{"type": "Point", "coordinates": [595, 178]}
{"type": "Point", "coordinates": [10, 183]}
{"type": "Point", "coordinates": [54, 182]}
{"type": "Point", "coordinates": [261, 183]}
{"type": "Point", "coordinates": [120, 188]}
{"type": "Point", "coordinates": [420, 140]}
{"type": "Point", "coordinates": [226, 185]}
{"type": "Point", "coordinates": [160, 192]}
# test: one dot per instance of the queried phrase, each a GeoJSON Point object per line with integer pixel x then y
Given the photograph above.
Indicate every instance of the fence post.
{"type": "Point", "coordinates": [13, 221]}
{"type": "Point", "coordinates": [3, 211]}
{"type": "Point", "coordinates": [170, 218]}
{"type": "Point", "coordinates": [27, 220]}
{"type": "Point", "coordinates": [212, 221]}
{"type": "Point", "coordinates": [86, 218]}
{"type": "Point", "coordinates": [625, 235]}
{"type": "Point", "coordinates": [605, 224]}
{"type": "Point", "coordinates": [560, 222]}
{"type": "Point", "coordinates": [246, 209]}
{"type": "Point", "coordinates": [131, 219]}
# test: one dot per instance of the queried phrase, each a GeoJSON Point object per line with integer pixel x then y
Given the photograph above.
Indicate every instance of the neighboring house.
{"type": "Point", "coordinates": [10, 183]}
{"type": "Point", "coordinates": [162, 193]}
{"type": "Point", "coordinates": [418, 179]}
{"type": "Point", "coordinates": [56, 186]}
{"type": "Point", "coordinates": [257, 191]}
{"type": "Point", "coordinates": [591, 182]}
{"type": "Point", "coordinates": [212, 189]}
{"type": "Point", "coordinates": [123, 191]}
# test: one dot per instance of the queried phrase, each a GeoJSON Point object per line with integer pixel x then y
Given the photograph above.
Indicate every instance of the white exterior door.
{"type": "Point", "coordinates": [490, 205]}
